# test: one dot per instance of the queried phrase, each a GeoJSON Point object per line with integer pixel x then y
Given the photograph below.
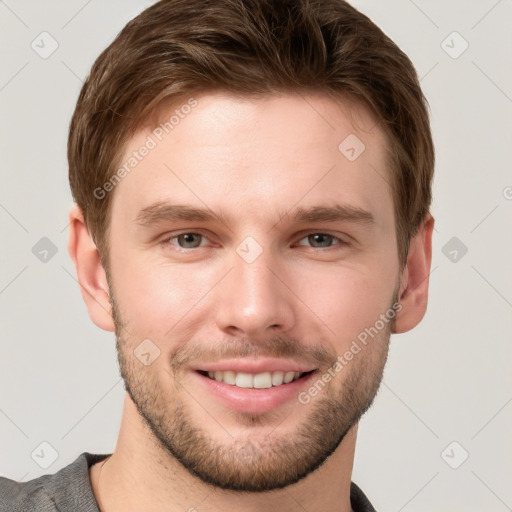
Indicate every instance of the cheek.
{"type": "Point", "coordinates": [346, 300]}
{"type": "Point", "coordinates": [171, 301]}
{"type": "Point", "coordinates": [154, 298]}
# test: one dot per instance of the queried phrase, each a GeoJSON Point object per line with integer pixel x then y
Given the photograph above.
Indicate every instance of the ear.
{"type": "Point", "coordinates": [413, 292]}
{"type": "Point", "coordinates": [90, 271]}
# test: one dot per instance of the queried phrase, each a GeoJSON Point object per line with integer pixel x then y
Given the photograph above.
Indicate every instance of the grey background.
{"type": "Point", "coordinates": [449, 380]}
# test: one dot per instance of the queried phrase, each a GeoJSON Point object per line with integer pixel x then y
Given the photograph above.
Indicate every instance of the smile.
{"type": "Point", "coordinates": [262, 380]}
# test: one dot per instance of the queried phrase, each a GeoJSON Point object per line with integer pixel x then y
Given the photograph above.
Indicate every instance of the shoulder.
{"type": "Point", "coordinates": [359, 501]}
{"type": "Point", "coordinates": [68, 489]}
{"type": "Point", "coordinates": [19, 497]}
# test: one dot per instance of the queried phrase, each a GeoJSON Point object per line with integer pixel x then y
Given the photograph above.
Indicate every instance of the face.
{"type": "Point", "coordinates": [253, 273]}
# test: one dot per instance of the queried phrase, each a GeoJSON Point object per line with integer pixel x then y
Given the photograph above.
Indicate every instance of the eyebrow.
{"type": "Point", "coordinates": [166, 212]}
{"type": "Point", "coordinates": [338, 212]}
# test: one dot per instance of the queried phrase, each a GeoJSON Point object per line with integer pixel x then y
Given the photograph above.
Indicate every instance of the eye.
{"type": "Point", "coordinates": [187, 240]}
{"type": "Point", "coordinates": [322, 240]}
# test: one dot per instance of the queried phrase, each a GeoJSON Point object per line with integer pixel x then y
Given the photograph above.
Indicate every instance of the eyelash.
{"type": "Point", "coordinates": [341, 243]}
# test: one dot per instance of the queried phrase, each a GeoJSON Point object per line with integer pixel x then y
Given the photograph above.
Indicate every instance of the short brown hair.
{"type": "Point", "coordinates": [177, 48]}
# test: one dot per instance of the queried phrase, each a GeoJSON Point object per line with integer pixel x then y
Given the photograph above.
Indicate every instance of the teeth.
{"type": "Point", "coordinates": [262, 380]}
{"type": "Point", "coordinates": [243, 380]}
{"type": "Point", "coordinates": [277, 378]}
{"type": "Point", "coordinates": [258, 381]}
{"type": "Point", "coordinates": [229, 378]}
{"type": "Point", "coordinates": [288, 377]}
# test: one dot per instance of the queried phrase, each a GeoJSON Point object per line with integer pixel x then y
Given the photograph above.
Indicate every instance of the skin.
{"type": "Point", "coordinates": [253, 160]}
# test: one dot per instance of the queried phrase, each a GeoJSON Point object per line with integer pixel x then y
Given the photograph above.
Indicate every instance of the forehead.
{"type": "Point", "coordinates": [259, 155]}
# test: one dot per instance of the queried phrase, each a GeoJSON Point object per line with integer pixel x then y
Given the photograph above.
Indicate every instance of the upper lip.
{"type": "Point", "coordinates": [255, 366]}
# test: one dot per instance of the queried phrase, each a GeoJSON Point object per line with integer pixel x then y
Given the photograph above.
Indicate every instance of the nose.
{"type": "Point", "coordinates": [253, 299]}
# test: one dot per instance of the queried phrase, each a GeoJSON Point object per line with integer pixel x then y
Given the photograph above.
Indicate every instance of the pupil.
{"type": "Point", "coordinates": [320, 239]}
{"type": "Point", "coordinates": [188, 240]}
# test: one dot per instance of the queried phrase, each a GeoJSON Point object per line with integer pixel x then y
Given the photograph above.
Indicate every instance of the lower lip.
{"type": "Point", "coordinates": [251, 400]}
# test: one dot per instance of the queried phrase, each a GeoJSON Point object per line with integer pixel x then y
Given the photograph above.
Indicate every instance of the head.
{"type": "Point", "coordinates": [253, 180]}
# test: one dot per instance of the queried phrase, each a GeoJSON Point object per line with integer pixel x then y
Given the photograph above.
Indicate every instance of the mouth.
{"type": "Point", "coordinates": [254, 392]}
{"type": "Point", "coordinates": [263, 380]}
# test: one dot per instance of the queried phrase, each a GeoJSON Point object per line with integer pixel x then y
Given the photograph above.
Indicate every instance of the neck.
{"type": "Point", "coordinates": [140, 475]}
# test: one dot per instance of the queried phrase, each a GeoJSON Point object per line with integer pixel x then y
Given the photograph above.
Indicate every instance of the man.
{"type": "Point", "coordinates": [252, 183]}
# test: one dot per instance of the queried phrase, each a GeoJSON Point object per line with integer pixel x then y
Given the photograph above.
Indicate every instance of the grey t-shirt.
{"type": "Point", "coordinates": [69, 490]}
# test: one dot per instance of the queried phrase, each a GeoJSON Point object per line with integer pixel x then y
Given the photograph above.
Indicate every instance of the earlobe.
{"type": "Point", "coordinates": [90, 271]}
{"type": "Point", "coordinates": [413, 291]}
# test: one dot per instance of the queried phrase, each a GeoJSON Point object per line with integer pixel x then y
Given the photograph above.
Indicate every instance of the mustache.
{"type": "Point", "coordinates": [237, 348]}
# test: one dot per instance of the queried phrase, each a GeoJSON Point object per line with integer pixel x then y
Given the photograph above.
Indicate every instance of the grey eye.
{"type": "Point", "coordinates": [189, 240]}
{"type": "Point", "coordinates": [320, 240]}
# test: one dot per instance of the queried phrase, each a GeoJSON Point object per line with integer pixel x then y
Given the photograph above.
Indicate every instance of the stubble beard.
{"type": "Point", "coordinates": [252, 463]}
